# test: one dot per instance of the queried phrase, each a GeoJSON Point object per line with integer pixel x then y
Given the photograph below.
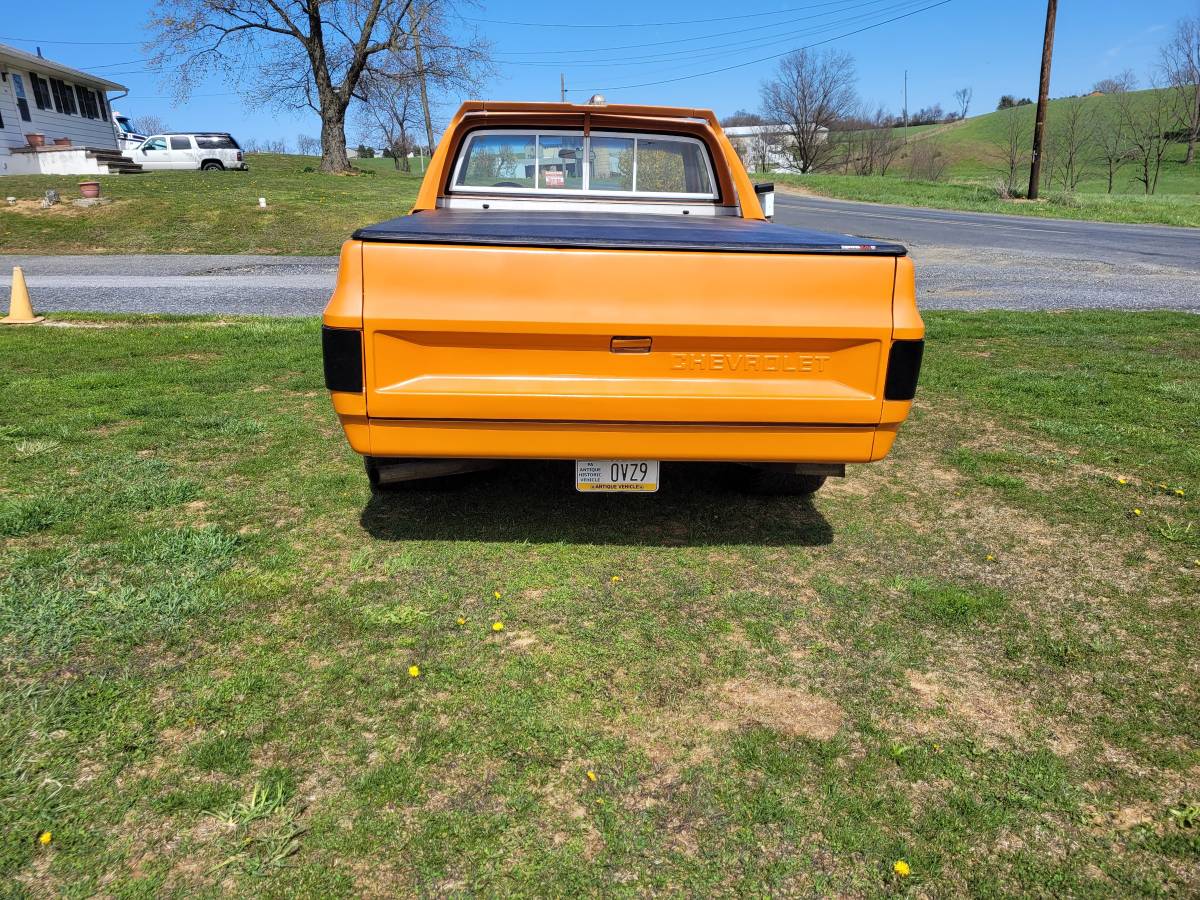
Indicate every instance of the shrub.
{"type": "Point", "coordinates": [926, 162]}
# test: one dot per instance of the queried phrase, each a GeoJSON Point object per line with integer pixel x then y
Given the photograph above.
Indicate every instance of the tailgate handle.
{"type": "Point", "coordinates": [630, 345]}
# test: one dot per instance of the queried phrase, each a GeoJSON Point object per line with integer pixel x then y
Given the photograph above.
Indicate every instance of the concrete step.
{"type": "Point", "coordinates": [114, 160]}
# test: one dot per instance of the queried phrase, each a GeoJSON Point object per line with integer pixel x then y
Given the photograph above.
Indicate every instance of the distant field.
{"type": "Point", "coordinates": [200, 212]}
{"type": "Point", "coordinates": [975, 161]}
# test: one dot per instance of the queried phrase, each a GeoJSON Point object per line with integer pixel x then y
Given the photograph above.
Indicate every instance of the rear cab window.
{"type": "Point", "coordinates": [216, 142]}
{"type": "Point", "coordinates": [600, 164]}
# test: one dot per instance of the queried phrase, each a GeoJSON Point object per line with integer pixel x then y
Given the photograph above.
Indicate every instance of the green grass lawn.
{"type": "Point", "coordinates": [202, 212]}
{"type": "Point", "coordinates": [976, 160]}
{"type": "Point", "coordinates": [975, 657]}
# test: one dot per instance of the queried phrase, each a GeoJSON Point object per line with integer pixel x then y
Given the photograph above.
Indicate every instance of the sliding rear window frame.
{"type": "Point", "coordinates": [452, 187]}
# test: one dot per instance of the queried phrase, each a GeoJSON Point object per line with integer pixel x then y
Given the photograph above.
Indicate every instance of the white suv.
{"type": "Point", "coordinates": [210, 151]}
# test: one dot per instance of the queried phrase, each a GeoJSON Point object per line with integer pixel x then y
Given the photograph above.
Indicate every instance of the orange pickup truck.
{"type": "Point", "coordinates": [600, 283]}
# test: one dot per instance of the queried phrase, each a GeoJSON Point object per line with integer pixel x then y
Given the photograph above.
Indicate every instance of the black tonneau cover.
{"type": "Point", "coordinates": [608, 230]}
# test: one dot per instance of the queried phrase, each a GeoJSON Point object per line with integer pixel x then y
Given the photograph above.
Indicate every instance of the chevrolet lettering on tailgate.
{"type": "Point", "coordinates": [751, 362]}
{"type": "Point", "coordinates": [598, 283]}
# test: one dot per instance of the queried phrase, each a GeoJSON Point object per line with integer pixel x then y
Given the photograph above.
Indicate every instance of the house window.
{"type": "Point", "coordinates": [64, 99]}
{"type": "Point", "coordinates": [41, 91]}
{"type": "Point", "coordinates": [87, 102]}
{"type": "Point", "coordinates": [22, 101]}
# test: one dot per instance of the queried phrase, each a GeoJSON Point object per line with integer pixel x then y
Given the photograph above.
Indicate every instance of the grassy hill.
{"type": "Point", "coordinates": [974, 149]}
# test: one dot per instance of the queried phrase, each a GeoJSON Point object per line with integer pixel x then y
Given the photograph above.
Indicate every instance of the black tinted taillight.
{"type": "Point", "coordinates": [342, 349]}
{"type": "Point", "coordinates": [904, 365]}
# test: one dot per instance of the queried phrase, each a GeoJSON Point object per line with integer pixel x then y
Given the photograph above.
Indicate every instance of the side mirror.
{"type": "Point", "coordinates": [766, 198]}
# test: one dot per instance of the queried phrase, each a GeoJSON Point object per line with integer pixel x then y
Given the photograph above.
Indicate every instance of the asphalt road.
{"type": "Point", "coordinates": [1084, 241]}
{"type": "Point", "coordinates": [964, 261]}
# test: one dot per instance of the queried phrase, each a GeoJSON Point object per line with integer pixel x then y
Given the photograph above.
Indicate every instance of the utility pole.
{"type": "Point", "coordinates": [906, 106]}
{"type": "Point", "coordinates": [1039, 125]}
{"type": "Point", "coordinates": [416, 38]}
{"type": "Point", "coordinates": [562, 87]}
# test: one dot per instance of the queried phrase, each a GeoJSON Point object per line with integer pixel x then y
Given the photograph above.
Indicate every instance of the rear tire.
{"type": "Point", "coordinates": [777, 481]}
{"type": "Point", "coordinates": [373, 476]}
{"type": "Point", "coordinates": [211, 165]}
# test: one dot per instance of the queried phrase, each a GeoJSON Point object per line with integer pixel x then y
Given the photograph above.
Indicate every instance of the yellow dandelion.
{"type": "Point", "coordinates": [1178, 492]}
{"type": "Point", "coordinates": [1122, 481]}
{"type": "Point", "coordinates": [591, 775]}
{"type": "Point", "coordinates": [617, 578]}
{"type": "Point", "coordinates": [498, 594]}
{"type": "Point", "coordinates": [497, 626]}
{"type": "Point", "coordinates": [462, 621]}
{"type": "Point", "coordinates": [414, 671]}
{"type": "Point", "coordinates": [1163, 485]}
{"type": "Point", "coordinates": [901, 868]}
{"type": "Point", "coordinates": [1136, 511]}
{"type": "Point", "coordinates": [991, 558]}
{"type": "Point", "coordinates": [45, 838]}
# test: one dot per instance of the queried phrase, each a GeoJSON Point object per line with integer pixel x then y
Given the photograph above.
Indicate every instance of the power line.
{"type": "Point", "coordinates": [696, 54]}
{"type": "Point", "coordinates": [128, 62]}
{"type": "Point", "coordinates": [742, 65]}
{"type": "Point", "coordinates": [778, 12]}
{"type": "Point", "coordinates": [75, 43]}
{"type": "Point", "coordinates": [698, 37]}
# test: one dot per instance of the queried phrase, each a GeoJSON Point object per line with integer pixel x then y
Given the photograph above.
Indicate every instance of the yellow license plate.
{"type": "Point", "coordinates": [616, 475]}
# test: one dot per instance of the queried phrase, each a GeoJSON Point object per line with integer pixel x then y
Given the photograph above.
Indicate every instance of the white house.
{"type": "Point", "coordinates": [765, 148]}
{"type": "Point", "coordinates": [62, 109]}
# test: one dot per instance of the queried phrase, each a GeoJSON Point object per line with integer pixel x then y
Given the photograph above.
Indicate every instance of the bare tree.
{"type": "Point", "coordinates": [927, 115]}
{"type": "Point", "coordinates": [150, 124]}
{"type": "Point", "coordinates": [294, 52]}
{"type": "Point", "coordinates": [810, 94]}
{"type": "Point", "coordinates": [390, 110]}
{"type": "Point", "coordinates": [758, 151]}
{"type": "Point", "coordinates": [1148, 119]}
{"type": "Point", "coordinates": [1121, 83]}
{"type": "Point", "coordinates": [307, 145]}
{"type": "Point", "coordinates": [1181, 65]}
{"type": "Point", "coordinates": [742, 117]}
{"type": "Point", "coordinates": [869, 143]}
{"type": "Point", "coordinates": [1072, 132]}
{"type": "Point", "coordinates": [1112, 142]}
{"type": "Point", "coordinates": [399, 91]}
{"type": "Point", "coordinates": [264, 145]}
{"type": "Point", "coordinates": [963, 98]}
{"type": "Point", "coordinates": [926, 161]}
{"type": "Point", "coordinates": [1012, 150]}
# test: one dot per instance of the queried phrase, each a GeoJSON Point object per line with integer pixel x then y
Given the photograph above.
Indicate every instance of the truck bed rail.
{"type": "Point", "coordinates": [609, 231]}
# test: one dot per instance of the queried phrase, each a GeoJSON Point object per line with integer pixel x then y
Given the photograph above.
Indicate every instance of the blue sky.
{"type": "Point", "coordinates": [992, 46]}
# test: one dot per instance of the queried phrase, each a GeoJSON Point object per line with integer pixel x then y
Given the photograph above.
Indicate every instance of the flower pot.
{"type": "Point", "coordinates": [36, 139]}
{"type": "Point", "coordinates": [62, 142]}
{"type": "Point", "coordinates": [89, 189]}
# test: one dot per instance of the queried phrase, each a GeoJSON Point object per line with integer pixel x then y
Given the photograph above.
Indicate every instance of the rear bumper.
{"type": "Point", "coordinates": [617, 440]}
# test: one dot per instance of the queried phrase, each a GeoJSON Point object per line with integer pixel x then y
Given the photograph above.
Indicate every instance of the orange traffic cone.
{"type": "Point", "coordinates": [20, 310]}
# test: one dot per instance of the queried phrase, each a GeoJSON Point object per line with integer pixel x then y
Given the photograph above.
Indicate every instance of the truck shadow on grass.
{"type": "Point", "coordinates": [697, 504]}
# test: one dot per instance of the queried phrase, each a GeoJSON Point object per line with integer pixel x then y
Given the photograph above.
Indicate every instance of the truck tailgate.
{"type": "Point", "coordinates": [456, 331]}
